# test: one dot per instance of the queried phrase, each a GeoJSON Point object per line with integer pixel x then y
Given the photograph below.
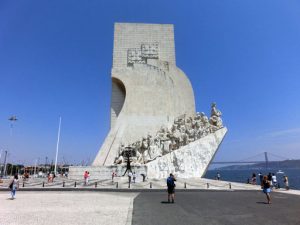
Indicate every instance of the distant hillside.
{"type": "Point", "coordinates": [287, 164]}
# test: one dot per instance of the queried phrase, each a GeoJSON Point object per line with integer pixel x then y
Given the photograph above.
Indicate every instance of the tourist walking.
{"type": "Point", "coordinates": [260, 175]}
{"type": "Point", "coordinates": [266, 186]}
{"type": "Point", "coordinates": [286, 182]}
{"type": "Point", "coordinates": [218, 176]}
{"type": "Point", "coordinates": [270, 178]}
{"type": "Point", "coordinates": [14, 186]}
{"type": "Point", "coordinates": [113, 176]}
{"type": "Point", "coordinates": [85, 177]}
{"type": "Point", "coordinates": [133, 177]}
{"type": "Point", "coordinates": [129, 177]}
{"type": "Point", "coordinates": [49, 177]}
{"type": "Point", "coordinates": [88, 177]}
{"type": "Point", "coordinates": [144, 176]}
{"type": "Point", "coordinates": [254, 179]}
{"type": "Point", "coordinates": [274, 180]}
{"type": "Point", "coordinates": [171, 188]}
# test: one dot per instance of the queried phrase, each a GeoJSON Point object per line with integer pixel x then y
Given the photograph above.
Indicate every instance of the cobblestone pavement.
{"type": "Point", "coordinates": [55, 208]}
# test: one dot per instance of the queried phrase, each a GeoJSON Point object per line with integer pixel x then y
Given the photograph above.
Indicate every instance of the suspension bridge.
{"type": "Point", "coordinates": [265, 157]}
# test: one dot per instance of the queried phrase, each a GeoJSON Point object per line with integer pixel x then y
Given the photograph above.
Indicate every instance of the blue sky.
{"type": "Point", "coordinates": [56, 57]}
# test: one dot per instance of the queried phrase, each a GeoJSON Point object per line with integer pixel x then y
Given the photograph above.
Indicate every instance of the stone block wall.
{"type": "Point", "coordinates": [102, 172]}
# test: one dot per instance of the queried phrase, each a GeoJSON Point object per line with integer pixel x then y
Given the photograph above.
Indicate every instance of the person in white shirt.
{"type": "Point", "coordinates": [14, 185]}
{"type": "Point", "coordinates": [274, 180]}
{"type": "Point", "coordinates": [133, 177]}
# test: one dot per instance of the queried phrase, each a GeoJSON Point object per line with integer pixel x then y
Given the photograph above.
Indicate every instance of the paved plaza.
{"type": "Point", "coordinates": [65, 208]}
{"type": "Point", "coordinates": [216, 208]}
{"type": "Point", "coordinates": [143, 208]}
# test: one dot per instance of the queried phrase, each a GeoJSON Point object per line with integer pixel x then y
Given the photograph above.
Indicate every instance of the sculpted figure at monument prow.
{"type": "Point", "coordinates": [215, 118]}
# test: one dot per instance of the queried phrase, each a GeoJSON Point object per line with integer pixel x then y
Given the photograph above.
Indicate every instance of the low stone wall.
{"type": "Point", "coordinates": [102, 172]}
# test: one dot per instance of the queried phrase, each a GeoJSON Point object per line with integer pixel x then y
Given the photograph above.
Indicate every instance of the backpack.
{"type": "Point", "coordinates": [11, 185]}
{"type": "Point", "coordinates": [170, 182]}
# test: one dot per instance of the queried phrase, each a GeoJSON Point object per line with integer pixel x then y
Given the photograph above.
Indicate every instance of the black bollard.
{"type": "Point", "coordinates": [207, 185]}
{"type": "Point", "coordinates": [150, 184]}
{"type": "Point", "coordinates": [63, 184]}
{"type": "Point", "coordinates": [96, 184]}
{"type": "Point", "coordinates": [229, 185]}
{"type": "Point", "coordinates": [75, 184]}
{"type": "Point", "coordinates": [129, 184]}
{"type": "Point", "coordinates": [117, 184]}
{"type": "Point", "coordinates": [23, 184]}
{"type": "Point", "coordinates": [43, 184]}
{"type": "Point", "coordinates": [184, 185]}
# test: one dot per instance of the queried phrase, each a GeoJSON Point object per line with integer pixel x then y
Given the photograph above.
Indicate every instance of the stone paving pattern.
{"type": "Point", "coordinates": [58, 208]}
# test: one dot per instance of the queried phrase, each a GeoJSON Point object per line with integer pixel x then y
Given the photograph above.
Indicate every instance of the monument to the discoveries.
{"type": "Point", "coordinates": [153, 108]}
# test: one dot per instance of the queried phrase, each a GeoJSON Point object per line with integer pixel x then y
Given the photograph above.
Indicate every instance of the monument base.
{"type": "Point", "coordinates": [189, 161]}
{"type": "Point", "coordinates": [103, 172]}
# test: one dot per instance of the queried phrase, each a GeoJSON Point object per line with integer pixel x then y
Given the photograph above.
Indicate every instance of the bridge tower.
{"type": "Point", "coordinates": [267, 161]}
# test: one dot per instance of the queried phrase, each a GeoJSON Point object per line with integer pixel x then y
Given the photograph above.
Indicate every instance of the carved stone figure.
{"type": "Point", "coordinates": [215, 111]}
{"type": "Point", "coordinates": [182, 132]}
{"type": "Point", "coordinates": [215, 118]}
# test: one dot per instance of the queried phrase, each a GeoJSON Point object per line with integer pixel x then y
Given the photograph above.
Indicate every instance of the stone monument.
{"type": "Point", "coordinates": [153, 108]}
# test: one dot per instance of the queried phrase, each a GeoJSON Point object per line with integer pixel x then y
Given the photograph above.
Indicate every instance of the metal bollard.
{"type": "Point", "coordinates": [63, 184]}
{"type": "Point", "coordinates": [23, 184]}
{"type": "Point", "coordinates": [229, 185]}
{"type": "Point", "coordinates": [129, 184]}
{"type": "Point", "coordinates": [150, 184]}
{"type": "Point", "coordinates": [117, 184]}
{"type": "Point", "coordinates": [96, 184]}
{"type": "Point", "coordinates": [207, 185]}
{"type": "Point", "coordinates": [43, 184]}
{"type": "Point", "coordinates": [75, 184]}
{"type": "Point", "coordinates": [184, 185]}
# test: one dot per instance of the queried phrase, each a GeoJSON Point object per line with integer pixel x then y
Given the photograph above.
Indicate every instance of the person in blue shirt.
{"type": "Point", "coordinates": [171, 187]}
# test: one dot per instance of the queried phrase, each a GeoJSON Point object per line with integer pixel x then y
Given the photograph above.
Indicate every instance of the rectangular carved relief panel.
{"type": "Point", "coordinates": [135, 56]}
{"type": "Point", "coordinates": [150, 51]}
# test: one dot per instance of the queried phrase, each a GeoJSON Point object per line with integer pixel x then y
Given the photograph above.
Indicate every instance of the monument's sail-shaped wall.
{"type": "Point", "coordinates": [148, 89]}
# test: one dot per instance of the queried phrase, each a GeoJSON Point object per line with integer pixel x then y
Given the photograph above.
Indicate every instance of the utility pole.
{"type": "Point", "coordinates": [57, 144]}
{"type": "Point", "coordinates": [35, 164]}
{"type": "Point", "coordinates": [46, 162]}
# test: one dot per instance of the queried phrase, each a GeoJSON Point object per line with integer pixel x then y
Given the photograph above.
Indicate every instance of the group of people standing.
{"type": "Point", "coordinates": [272, 178]}
{"type": "Point", "coordinates": [268, 182]}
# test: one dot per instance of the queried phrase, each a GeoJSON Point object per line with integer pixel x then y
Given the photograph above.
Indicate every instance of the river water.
{"type": "Point", "coordinates": [242, 176]}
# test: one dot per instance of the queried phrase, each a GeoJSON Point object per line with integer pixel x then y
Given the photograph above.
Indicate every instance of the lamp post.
{"type": "Point", "coordinates": [5, 164]}
{"type": "Point", "coordinates": [12, 120]}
